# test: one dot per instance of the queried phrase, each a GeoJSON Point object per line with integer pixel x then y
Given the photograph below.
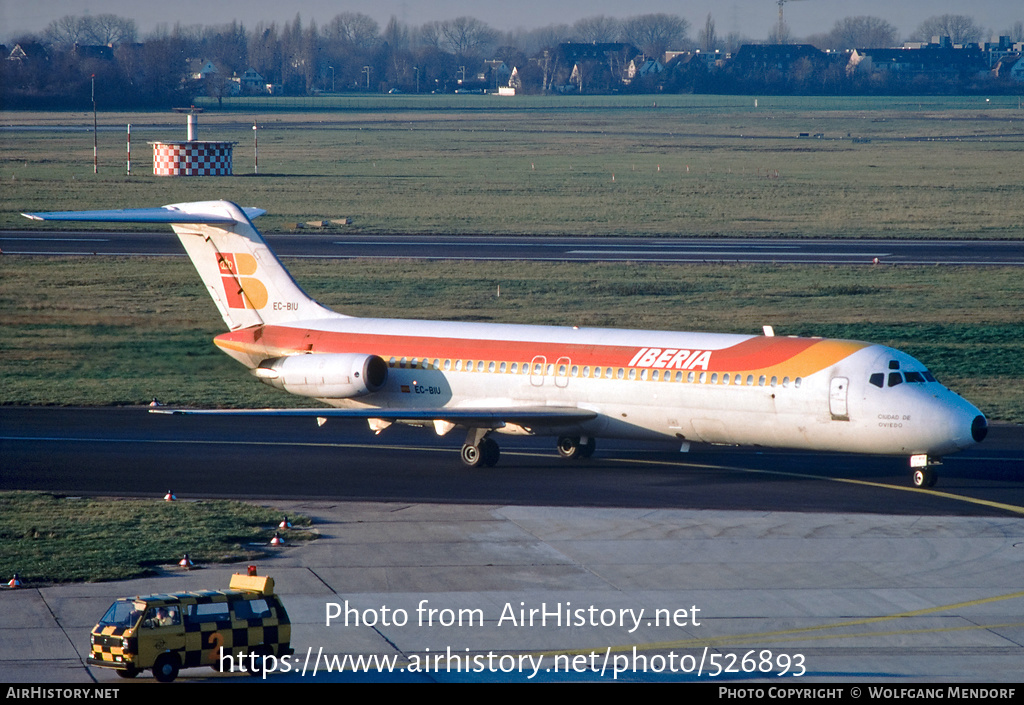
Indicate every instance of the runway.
{"type": "Point", "coordinates": [552, 248]}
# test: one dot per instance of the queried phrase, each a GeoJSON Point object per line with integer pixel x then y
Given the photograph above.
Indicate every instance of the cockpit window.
{"type": "Point", "coordinates": [895, 378]}
{"type": "Point", "coordinates": [914, 377]}
{"type": "Point", "coordinates": [877, 379]}
{"type": "Point", "coordinates": [929, 376]}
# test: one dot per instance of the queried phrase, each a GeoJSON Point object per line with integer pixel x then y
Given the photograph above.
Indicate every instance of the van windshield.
{"type": "Point", "coordinates": [123, 613]}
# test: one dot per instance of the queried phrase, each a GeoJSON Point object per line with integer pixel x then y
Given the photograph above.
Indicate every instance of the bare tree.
{"type": "Point", "coordinates": [959, 28]}
{"type": "Point", "coordinates": [429, 35]}
{"type": "Point", "coordinates": [396, 34]}
{"type": "Point", "coordinates": [467, 36]}
{"type": "Point", "coordinates": [66, 32]}
{"type": "Point", "coordinates": [707, 38]}
{"type": "Point", "coordinates": [861, 33]}
{"type": "Point", "coordinates": [1015, 33]}
{"type": "Point", "coordinates": [106, 30]}
{"type": "Point", "coordinates": [353, 30]}
{"type": "Point", "coordinates": [109, 30]}
{"type": "Point", "coordinates": [655, 34]}
{"type": "Point", "coordinates": [597, 30]}
{"type": "Point", "coordinates": [532, 41]}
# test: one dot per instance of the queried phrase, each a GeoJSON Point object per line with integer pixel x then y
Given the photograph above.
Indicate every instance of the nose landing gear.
{"type": "Point", "coordinates": [922, 470]}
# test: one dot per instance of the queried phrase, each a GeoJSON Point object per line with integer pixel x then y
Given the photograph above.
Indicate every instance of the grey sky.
{"type": "Point", "coordinates": [752, 18]}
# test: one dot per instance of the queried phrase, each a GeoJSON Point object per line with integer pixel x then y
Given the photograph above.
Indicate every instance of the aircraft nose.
{"type": "Point", "coordinates": [971, 428]}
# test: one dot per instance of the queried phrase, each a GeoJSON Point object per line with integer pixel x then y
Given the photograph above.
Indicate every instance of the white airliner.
{"type": "Point", "coordinates": [575, 384]}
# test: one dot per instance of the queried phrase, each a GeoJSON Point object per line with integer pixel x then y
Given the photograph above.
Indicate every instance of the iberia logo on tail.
{"type": "Point", "coordinates": [241, 289]}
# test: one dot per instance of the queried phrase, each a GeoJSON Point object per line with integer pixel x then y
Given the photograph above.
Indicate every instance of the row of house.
{"type": "Point", "coordinates": [593, 67]}
{"type": "Point", "coordinates": [938, 59]}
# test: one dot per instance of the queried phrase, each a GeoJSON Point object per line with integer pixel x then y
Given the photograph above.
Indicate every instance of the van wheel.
{"type": "Point", "coordinates": [254, 666]}
{"type": "Point", "coordinates": [166, 668]}
{"type": "Point", "coordinates": [128, 672]}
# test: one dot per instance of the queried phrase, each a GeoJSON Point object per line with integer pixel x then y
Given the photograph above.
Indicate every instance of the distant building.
{"type": "Point", "coordinates": [640, 67]}
{"type": "Point", "coordinates": [28, 52]}
{"type": "Point", "coordinates": [781, 57]}
{"type": "Point", "coordinates": [98, 52]}
{"type": "Point", "coordinates": [934, 61]}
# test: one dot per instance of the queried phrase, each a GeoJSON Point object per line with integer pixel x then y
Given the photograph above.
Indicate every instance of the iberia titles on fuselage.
{"type": "Point", "coordinates": [571, 383]}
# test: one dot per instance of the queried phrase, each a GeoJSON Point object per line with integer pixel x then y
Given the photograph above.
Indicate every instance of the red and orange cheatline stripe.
{"type": "Point", "coordinates": [763, 355]}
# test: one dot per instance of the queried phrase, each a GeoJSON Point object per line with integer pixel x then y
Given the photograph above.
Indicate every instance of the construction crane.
{"type": "Point", "coordinates": [782, 24]}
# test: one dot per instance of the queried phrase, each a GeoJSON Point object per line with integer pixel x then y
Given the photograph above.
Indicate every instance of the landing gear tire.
{"type": "Point", "coordinates": [923, 477]}
{"type": "Point", "coordinates": [472, 456]}
{"type": "Point", "coordinates": [571, 448]}
{"type": "Point", "coordinates": [484, 454]}
{"type": "Point", "coordinates": [166, 668]}
{"type": "Point", "coordinates": [491, 452]}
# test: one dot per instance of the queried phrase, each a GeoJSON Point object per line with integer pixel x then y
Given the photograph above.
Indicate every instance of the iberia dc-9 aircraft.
{"type": "Point", "coordinates": [574, 384]}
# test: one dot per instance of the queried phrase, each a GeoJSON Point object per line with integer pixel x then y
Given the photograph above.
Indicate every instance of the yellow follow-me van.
{"type": "Point", "coordinates": [168, 632]}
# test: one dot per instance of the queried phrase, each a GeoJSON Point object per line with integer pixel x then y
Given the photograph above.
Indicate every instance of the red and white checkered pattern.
{"type": "Point", "coordinates": [192, 158]}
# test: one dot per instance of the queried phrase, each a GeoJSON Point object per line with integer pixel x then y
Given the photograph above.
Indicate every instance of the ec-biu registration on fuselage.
{"type": "Point", "coordinates": [575, 384]}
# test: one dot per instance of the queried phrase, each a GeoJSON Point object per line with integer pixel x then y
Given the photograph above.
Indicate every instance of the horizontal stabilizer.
{"type": "Point", "coordinates": [166, 214]}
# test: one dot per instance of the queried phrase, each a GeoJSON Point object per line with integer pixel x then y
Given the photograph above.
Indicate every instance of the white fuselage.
{"type": "Point", "coordinates": [714, 388]}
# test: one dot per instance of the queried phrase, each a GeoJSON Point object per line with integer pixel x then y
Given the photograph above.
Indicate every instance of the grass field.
{"type": "Point", "coordinates": [665, 165]}
{"type": "Point", "coordinates": [50, 539]}
{"type": "Point", "coordinates": [108, 331]}
{"type": "Point", "coordinates": [99, 331]}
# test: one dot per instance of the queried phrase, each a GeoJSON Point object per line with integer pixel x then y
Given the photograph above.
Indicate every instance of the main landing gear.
{"type": "Point", "coordinates": [482, 451]}
{"type": "Point", "coordinates": [479, 450]}
{"type": "Point", "coordinates": [922, 470]}
{"type": "Point", "coordinates": [484, 454]}
{"type": "Point", "coordinates": [576, 448]}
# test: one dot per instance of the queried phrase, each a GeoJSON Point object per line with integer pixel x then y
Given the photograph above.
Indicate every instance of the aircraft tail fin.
{"type": "Point", "coordinates": [247, 282]}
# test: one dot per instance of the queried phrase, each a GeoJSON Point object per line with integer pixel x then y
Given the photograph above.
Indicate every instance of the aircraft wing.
{"type": "Point", "coordinates": [166, 214]}
{"type": "Point", "coordinates": [480, 418]}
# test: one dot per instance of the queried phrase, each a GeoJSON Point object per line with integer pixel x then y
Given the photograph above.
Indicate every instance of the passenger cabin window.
{"type": "Point", "coordinates": [252, 609]}
{"type": "Point", "coordinates": [207, 612]}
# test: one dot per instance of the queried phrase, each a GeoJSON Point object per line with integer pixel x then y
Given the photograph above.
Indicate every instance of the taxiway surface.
{"type": "Point", "coordinates": [548, 248]}
{"type": "Point", "coordinates": [825, 566]}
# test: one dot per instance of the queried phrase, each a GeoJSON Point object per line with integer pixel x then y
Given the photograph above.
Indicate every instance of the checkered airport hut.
{"type": "Point", "coordinates": [192, 157]}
